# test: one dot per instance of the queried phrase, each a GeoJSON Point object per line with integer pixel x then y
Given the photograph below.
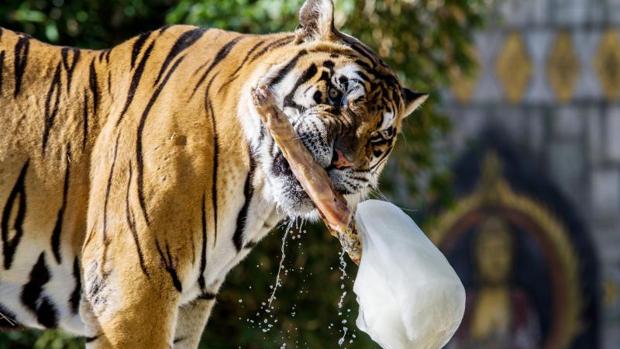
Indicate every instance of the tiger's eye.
{"type": "Point", "coordinates": [335, 97]}
{"type": "Point", "coordinates": [333, 93]}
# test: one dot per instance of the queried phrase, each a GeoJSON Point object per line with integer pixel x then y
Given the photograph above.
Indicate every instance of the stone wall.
{"type": "Point", "coordinates": [549, 78]}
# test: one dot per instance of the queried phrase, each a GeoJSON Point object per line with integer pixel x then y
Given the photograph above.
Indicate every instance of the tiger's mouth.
{"type": "Point", "coordinates": [289, 193]}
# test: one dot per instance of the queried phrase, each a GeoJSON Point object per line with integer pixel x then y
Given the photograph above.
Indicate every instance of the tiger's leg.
{"type": "Point", "coordinates": [134, 267]}
{"type": "Point", "coordinates": [191, 322]}
{"type": "Point", "coordinates": [126, 308]}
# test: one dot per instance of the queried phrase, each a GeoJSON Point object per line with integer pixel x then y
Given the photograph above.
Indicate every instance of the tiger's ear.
{"type": "Point", "coordinates": [316, 21]}
{"type": "Point", "coordinates": [413, 100]}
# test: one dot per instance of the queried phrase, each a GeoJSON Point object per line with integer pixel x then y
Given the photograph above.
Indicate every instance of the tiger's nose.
{"type": "Point", "coordinates": [340, 161]}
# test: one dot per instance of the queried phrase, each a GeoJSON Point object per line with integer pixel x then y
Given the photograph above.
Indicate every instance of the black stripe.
{"type": "Point", "coordinates": [380, 160]}
{"type": "Point", "coordinates": [305, 76]}
{"type": "Point", "coordinates": [169, 265]}
{"type": "Point", "coordinates": [51, 111]}
{"type": "Point", "coordinates": [193, 250]}
{"type": "Point", "coordinates": [90, 339]}
{"type": "Point", "coordinates": [203, 252]}
{"type": "Point", "coordinates": [94, 88]}
{"type": "Point", "coordinates": [361, 49]}
{"type": "Point", "coordinates": [378, 74]}
{"type": "Point", "coordinates": [183, 42]}
{"type": "Point", "coordinates": [140, 130]}
{"type": "Point", "coordinates": [2, 54]}
{"type": "Point", "coordinates": [287, 68]}
{"type": "Point", "coordinates": [131, 221]}
{"type": "Point", "coordinates": [247, 56]}
{"type": "Point", "coordinates": [325, 77]}
{"type": "Point", "coordinates": [18, 192]}
{"type": "Point", "coordinates": [250, 244]}
{"type": "Point", "coordinates": [32, 297]}
{"type": "Point", "coordinates": [369, 55]}
{"type": "Point", "coordinates": [278, 43]}
{"type": "Point", "coordinates": [21, 60]}
{"type": "Point", "coordinates": [216, 154]}
{"type": "Point", "coordinates": [7, 319]}
{"type": "Point", "coordinates": [248, 190]}
{"type": "Point", "coordinates": [221, 54]}
{"type": "Point", "coordinates": [137, 47]}
{"type": "Point", "coordinates": [107, 191]}
{"type": "Point", "coordinates": [61, 212]}
{"type": "Point", "coordinates": [207, 296]}
{"type": "Point", "coordinates": [261, 136]}
{"type": "Point", "coordinates": [234, 75]}
{"type": "Point", "coordinates": [109, 82]}
{"type": "Point", "coordinates": [69, 68]}
{"type": "Point", "coordinates": [364, 77]}
{"type": "Point", "coordinates": [359, 178]}
{"type": "Point", "coordinates": [164, 28]}
{"type": "Point", "coordinates": [74, 300]}
{"type": "Point", "coordinates": [85, 120]}
{"type": "Point", "coordinates": [339, 52]}
{"type": "Point", "coordinates": [365, 65]}
{"type": "Point", "coordinates": [101, 55]}
{"type": "Point", "coordinates": [135, 81]}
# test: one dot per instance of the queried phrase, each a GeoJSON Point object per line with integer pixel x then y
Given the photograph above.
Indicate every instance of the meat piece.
{"type": "Point", "coordinates": [331, 205]}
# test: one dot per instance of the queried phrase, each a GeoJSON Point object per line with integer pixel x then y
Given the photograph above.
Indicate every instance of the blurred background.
{"type": "Point", "coordinates": [512, 168]}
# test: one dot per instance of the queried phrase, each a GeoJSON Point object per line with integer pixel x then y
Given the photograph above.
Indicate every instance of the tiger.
{"type": "Point", "coordinates": [133, 179]}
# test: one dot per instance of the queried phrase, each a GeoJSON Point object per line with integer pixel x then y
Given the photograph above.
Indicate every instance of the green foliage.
{"type": "Point", "coordinates": [424, 40]}
{"type": "Point", "coordinates": [39, 340]}
{"type": "Point", "coordinates": [248, 16]}
{"type": "Point", "coordinates": [85, 23]}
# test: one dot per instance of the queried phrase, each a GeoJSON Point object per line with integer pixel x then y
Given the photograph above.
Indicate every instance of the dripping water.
{"type": "Point", "coordinates": [282, 258]}
{"type": "Point", "coordinates": [343, 277]}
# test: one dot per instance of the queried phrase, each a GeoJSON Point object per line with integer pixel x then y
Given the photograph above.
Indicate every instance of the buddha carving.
{"type": "Point", "coordinates": [498, 314]}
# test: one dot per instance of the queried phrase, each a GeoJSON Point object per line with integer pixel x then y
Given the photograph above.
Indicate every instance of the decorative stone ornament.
{"type": "Point", "coordinates": [607, 64]}
{"type": "Point", "coordinates": [514, 68]}
{"type": "Point", "coordinates": [563, 67]}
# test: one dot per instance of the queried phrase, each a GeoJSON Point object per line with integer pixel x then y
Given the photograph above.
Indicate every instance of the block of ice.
{"type": "Point", "coordinates": [409, 296]}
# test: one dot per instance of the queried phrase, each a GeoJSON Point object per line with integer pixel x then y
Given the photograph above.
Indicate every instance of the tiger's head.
{"type": "Point", "coordinates": [345, 103]}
